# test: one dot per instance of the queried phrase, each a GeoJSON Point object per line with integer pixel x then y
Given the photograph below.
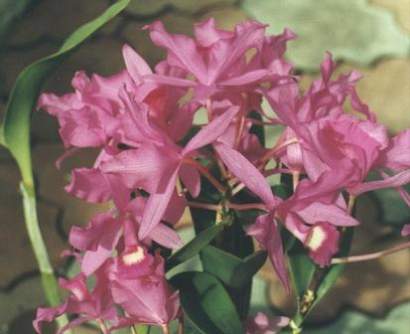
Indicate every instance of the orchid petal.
{"type": "Point", "coordinates": [166, 236]}
{"type": "Point", "coordinates": [136, 65]}
{"type": "Point", "coordinates": [191, 179]}
{"type": "Point", "coordinates": [394, 181]}
{"type": "Point", "coordinates": [156, 206]}
{"type": "Point", "coordinates": [266, 233]}
{"type": "Point", "coordinates": [246, 172]}
{"type": "Point", "coordinates": [319, 212]}
{"type": "Point", "coordinates": [90, 185]}
{"type": "Point", "coordinates": [211, 131]}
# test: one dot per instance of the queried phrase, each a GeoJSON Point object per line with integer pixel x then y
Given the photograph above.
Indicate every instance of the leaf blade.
{"type": "Point", "coordinates": [193, 247]}
{"type": "Point", "coordinates": [207, 304]}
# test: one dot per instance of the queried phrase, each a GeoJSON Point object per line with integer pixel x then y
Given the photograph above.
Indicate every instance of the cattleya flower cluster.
{"type": "Point", "coordinates": [151, 163]}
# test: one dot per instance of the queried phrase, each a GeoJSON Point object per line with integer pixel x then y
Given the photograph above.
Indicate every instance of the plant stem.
{"type": "Point", "coordinates": [103, 327]}
{"type": "Point", "coordinates": [181, 325]}
{"type": "Point", "coordinates": [140, 329]}
{"type": "Point", "coordinates": [277, 148]}
{"type": "Point", "coordinates": [165, 329]}
{"type": "Point", "coordinates": [206, 206]}
{"type": "Point", "coordinates": [48, 279]}
{"type": "Point", "coordinates": [371, 256]}
{"type": "Point", "coordinates": [350, 204]}
{"type": "Point", "coordinates": [233, 206]}
{"type": "Point", "coordinates": [207, 174]}
{"type": "Point", "coordinates": [246, 206]}
{"type": "Point", "coordinates": [295, 180]}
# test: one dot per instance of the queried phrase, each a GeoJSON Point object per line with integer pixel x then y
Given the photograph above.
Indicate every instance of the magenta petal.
{"type": "Point", "coordinates": [405, 232]}
{"type": "Point", "coordinates": [98, 240]}
{"type": "Point", "coordinates": [168, 80]}
{"type": "Point", "coordinates": [156, 206]}
{"type": "Point", "coordinates": [141, 167]}
{"type": "Point", "coordinates": [327, 67]}
{"type": "Point", "coordinates": [397, 155]}
{"type": "Point", "coordinates": [136, 65]}
{"type": "Point", "coordinates": [211, 131]}
{"type": "Point", "coordinates": [48, 314]}
{"type": "Point", "coordinates": [394, 181]}
{"type": "Point", "coordinates": [165, 236]}
{"type": "Point", "coordinates": [92, 260]}
{"type": "Point", "coordinates": [246, 172]}
{"type": "Point", "coordinates": [323, 242]}
{"type": "Point", "coordinates": [90, 185]}
{"type": "Point", "coordinates": [266, 233]}
{"type": "Point", "coordinates": [262, 324]}
{"type": "Point", "coordinates": [207, 34]}
{"type": "Point", "coordinates": [175, 209]}
{"type": "Point", "coordinates": [182, 50]}
{"type": "Point", "coordinates": [246, 79]}
{"type": "Point", "coordinates": [191, 179]}
{"type": "Point", "coordinates": [317, 212]}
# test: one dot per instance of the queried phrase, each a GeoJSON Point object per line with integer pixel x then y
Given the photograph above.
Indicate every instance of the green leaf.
{"type": "Point", "coordinates": [193, 247]}
{"type": "Point", "coordinates": [352, 30]}
{"type": "Point", "coordinates": [207, 304]}
{"type": "Point", "coordinates": [302, 272]}
{"type": "Point", "coordinates": [230, 269]}
{"type": "Point", "coordinates": [16, 126]}
{"type": "Point", "coordinates": [311, 283]}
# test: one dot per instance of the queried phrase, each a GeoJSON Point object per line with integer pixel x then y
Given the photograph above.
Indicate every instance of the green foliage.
{"type": "Point", "coordinates": [310, 282]}
{"type": "Point", "coordinates": [207, 304]}
{"type": "Point", "coordinates": [193, 247]}
{"type": "Point", "coordinates": [352, 30]}
{"type": "Point", "coordinates": [230, 269]}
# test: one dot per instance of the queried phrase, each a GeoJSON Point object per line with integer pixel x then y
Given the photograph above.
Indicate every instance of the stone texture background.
{"type": "Point", "coordinates": [373, 287]}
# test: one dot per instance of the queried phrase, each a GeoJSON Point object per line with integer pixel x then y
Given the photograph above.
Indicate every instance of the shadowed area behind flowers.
{"type": "Point", "coordinates": [373, 287]}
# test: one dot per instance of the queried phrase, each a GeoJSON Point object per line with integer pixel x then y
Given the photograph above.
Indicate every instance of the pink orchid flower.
{"type": "Point", "coordinates": [100, 238]}
{"type": "Point", "coordinates": [139, 286]}
{"type": "Point", "coordinates": [262, 324]}
{"type": "Point", "coordinates": [304, 215]}
{"type": "Point", "coordinates": [88, 117]}
{"type": "Point", "coordinates": [96, 305]}
{"type": "Point", "coordinates": [165, 163]}
{"type": "Point", "coordinates": [216, 58]}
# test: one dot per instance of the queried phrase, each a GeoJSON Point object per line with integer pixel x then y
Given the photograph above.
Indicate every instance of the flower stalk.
{"type": "Point", "coordinates": [48, 278]}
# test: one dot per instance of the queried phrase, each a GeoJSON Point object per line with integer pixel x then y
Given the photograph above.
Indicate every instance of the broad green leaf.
{"type": "Point", "coordinates": [353, 30]}
{"type": "Point", "coordinates": [302, 271]}
{"type": "Point", "coordinates": [310, 282]}
{"type": "Point", "coordinates": [193, 247]}
{"type": "Point", "coordinates": [230, 269]}
{"type": "Point", "coordinates": [207, 304]}
{"type": "Point", "coordinates": [16, 126]}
